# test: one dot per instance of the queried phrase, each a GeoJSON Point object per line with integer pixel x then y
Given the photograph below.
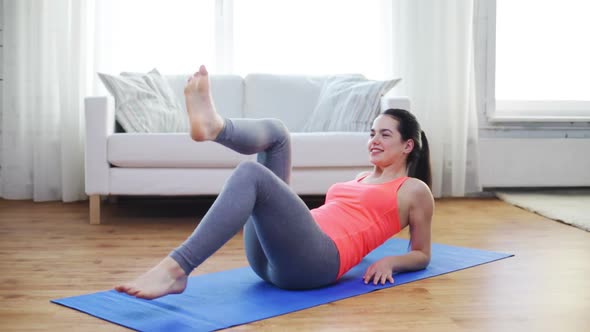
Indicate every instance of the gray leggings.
{"type": "Point", "coordinates": [283, 243]}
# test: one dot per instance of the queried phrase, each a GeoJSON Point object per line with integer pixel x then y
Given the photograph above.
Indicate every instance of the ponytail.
{"type": "Point", "coordinates": [420, 168]}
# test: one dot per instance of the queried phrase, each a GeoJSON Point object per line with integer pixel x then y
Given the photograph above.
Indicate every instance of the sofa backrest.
{"type": "Point", "coordinates": [290, 98]}
{"type": "Point", "coordinates": [227, 91]}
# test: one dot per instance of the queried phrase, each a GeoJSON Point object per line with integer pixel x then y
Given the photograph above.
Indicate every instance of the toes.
{"type": "Point", "coordinates": [133, 291]}
{"type": "Point", "coordinates": [127, 288]}
{"type": "Point", "coordinates": [122, 288]}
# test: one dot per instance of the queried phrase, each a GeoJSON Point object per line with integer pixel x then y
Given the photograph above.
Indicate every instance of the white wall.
{"type": "Point", "coordinates": [535, 162]}
{"type": "Point", "coordinates": [525, 154]}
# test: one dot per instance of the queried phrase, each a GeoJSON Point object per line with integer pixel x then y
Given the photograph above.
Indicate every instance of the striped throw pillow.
{"type": "Point", "coordinates": [145, 103]}
{"type": "Point", "coordinates": [348, 103]}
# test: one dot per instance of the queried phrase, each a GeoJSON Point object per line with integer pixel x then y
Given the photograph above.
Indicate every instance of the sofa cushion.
{"type": "Point", "coordinates": [174, 150]}
{"type": "Point", "coordinates": [227, 91]}
{"type": "Point", "coordinates": [139, 105]}
{"type": "Point", "coordinates": [163, 150]}
{"type": "Point", "coordinates": [289, 98]}
{"type": "Point", "coordinates": [348, 103]}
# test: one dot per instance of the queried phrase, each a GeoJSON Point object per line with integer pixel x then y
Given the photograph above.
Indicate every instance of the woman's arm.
{"type": "Point", "coordinates": [420, 210]}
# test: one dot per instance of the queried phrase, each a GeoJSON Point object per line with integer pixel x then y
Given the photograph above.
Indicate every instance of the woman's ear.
{"type": "Point", "coordinates": [409, 146]}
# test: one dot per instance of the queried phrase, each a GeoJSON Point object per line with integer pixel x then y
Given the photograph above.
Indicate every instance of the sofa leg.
{"type": "Point", "coordinates": [94, 209]}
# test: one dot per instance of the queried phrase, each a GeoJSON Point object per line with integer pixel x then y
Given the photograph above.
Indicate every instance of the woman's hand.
{"type": "Point", "coordinates": [380, 272]}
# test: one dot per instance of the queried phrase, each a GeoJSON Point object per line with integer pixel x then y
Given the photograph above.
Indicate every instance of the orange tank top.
{"type": "Point", "coordinates": [359, 217]}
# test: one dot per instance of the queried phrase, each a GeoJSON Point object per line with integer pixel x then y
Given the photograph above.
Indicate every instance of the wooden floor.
{"type": "Point", "coordinates": [48, 250]}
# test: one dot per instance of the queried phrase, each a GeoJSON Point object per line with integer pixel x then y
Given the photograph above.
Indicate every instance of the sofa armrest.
{"type": "Point", "coordinates": [402, 102]}
{"type": "Point", "coordinates": [100, 123]}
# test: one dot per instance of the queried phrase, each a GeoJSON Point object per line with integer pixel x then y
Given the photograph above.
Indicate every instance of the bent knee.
{"type": "Point", "coordinates": [249, 166]}
{"type": "Point", "coordinates": [279, 129]}
{"type": "Point", "coordinates": [250, 169]}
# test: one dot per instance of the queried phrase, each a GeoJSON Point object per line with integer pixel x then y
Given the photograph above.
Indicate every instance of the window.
{"type": "Point", "coordinates": [541, 60]}
{"type": "Point", "coordinates": [175, 36]}
{"type": "Point", "coordinates": [241, 37]}
{"type": "Point", "coordinates": [309, 36]}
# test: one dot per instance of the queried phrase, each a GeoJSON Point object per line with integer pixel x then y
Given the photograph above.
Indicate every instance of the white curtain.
{"type": "Point", "coordinates": [46, 75]}
{"type": "Point", "coordinates": [433, 51]}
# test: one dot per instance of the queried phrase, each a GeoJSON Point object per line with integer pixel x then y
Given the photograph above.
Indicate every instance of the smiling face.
{"type": "Point", "coordinates": [386, 146]}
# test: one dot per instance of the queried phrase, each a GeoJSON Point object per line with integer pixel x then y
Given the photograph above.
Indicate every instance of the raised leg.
{"type": "Point", "coordinates": [269, 138]}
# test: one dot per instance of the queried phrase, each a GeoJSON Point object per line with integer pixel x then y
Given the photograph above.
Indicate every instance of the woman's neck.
{"type": "Point", "coordinates": [388, 173]}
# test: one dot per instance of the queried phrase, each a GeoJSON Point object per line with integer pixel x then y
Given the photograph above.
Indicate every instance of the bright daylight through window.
{"type": "Point", "coordinates": [541, 59]}
{"type": "Point", "coordinates": [310, 36]}
{"type": "Point", "coordinates": [282, 37]}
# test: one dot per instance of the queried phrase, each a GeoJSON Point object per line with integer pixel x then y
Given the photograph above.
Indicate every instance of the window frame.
{"type": "Point", "coordinates": [514, 111]}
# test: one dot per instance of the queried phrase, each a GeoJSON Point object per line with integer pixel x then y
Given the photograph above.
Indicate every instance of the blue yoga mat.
{"type": "Point", "coordinates": [234, 297]}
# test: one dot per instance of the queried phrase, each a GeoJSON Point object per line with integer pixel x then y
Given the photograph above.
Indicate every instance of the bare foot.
{"type": "Point", "coordinates": [204, 121]}
{"type": "Point", "coordinates": [165, 278]}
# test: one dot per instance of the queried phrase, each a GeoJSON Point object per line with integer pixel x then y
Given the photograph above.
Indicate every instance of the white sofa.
{"type": "Point", "coordinates": [171, 164]}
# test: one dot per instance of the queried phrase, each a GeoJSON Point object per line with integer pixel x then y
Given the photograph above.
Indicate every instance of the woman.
{"type": "Point", "coordinates": [287, 244]}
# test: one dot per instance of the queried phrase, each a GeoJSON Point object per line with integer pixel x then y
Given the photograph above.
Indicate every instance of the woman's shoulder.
{"type": "Point", "coordinates": [415, 190]}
